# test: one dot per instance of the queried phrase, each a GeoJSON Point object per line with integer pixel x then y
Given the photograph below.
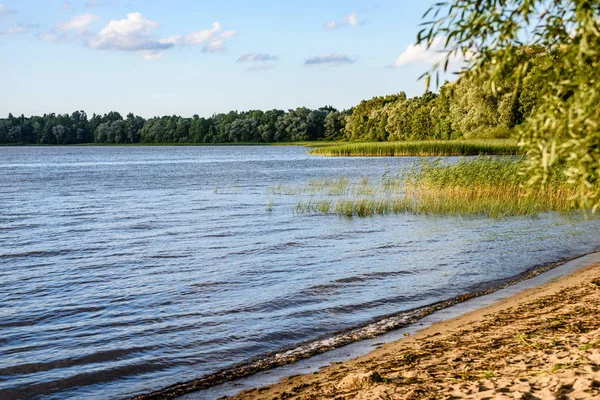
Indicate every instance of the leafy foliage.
{"type": "Point", "coordinates": [564, 129]}
{"type": "Point", "coordinates": [466, 109]}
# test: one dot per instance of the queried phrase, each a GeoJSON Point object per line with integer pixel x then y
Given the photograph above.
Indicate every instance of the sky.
{"type": "Point", "coordinates": [184, 57]}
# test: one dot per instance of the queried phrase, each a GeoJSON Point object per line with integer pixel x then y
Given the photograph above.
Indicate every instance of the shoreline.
{"type": "Point", "coordinates": [540, 343]}
{"type": "Point", "coordinates": [309, 144]}
{"type": "Point", "coordinates": [304, 352]}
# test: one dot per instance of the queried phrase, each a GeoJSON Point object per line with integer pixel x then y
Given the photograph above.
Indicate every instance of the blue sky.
{"type": "Point", "coordinates": [156, 57]}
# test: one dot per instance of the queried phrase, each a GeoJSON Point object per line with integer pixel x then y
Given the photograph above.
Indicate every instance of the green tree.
{"type": "Point", "coordinates": [134, 124]}
{"type": "Point", "coordinates": [268, 125]}
{"type": "Point", "coordinates": [117, 132]}
{"type": "Point", "coordinates": [333, 125]}
{"type": "Point", "coordinates": [565, 127]}
{"type": "Point", "coordinates": [101, 133]}
{"type": "Point", "coordinates": [198, 129]}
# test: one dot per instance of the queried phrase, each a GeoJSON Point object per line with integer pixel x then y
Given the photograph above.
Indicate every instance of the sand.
{"type": "Point", "coordinates": [541, 344]}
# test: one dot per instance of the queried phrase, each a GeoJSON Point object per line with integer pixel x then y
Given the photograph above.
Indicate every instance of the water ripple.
{"type": "Point", "coordinates": [123, 271]}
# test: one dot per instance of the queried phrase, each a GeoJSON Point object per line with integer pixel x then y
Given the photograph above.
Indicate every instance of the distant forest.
{"type": "Point", "coordinates": [466, 109]}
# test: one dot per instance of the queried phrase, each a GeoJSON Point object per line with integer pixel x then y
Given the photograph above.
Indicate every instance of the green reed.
{"type": "Point", "coordinates": [421, 148]}
{"type": "Point", "coordinates": [485, 186]}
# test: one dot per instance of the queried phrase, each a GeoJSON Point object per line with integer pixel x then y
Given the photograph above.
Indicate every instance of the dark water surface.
{"type": "Point", "coordinates": [127, 269]}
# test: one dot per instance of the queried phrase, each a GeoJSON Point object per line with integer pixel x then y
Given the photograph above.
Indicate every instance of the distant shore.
{"type": "Point", "coordinates": [306, 144]}
{"type": "Point", "coordinates": [543, 343]}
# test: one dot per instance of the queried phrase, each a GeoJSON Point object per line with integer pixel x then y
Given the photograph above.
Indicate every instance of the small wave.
{"type": "Point", "coordinates": [51, 253]}
{"type": "Point", "coordinates": [285, 246]}
{"type": "Point", "coordinates": [45, 389]}
{"type": "Point", "coordinates": [219, 235]}
{"type": "Point", "coordinates": [323, 344]}
{"type": "Point", "coordinates": [67, 312]}
{"type": "Point", "coordinates": [142, 226]}
{"type": "Point", "coordinates": [168, 256]}
{"type": "Point", "coordinates": [97, 357]}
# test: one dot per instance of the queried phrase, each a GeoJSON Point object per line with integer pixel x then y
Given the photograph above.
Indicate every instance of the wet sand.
{"type": "Point", "coordinates": [543, 343]}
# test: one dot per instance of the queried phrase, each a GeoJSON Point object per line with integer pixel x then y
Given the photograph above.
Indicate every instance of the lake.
{"type": "Point", "coordinates": [127, 269]}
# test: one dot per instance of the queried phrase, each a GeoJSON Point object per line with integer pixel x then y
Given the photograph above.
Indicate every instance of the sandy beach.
{"type": "Point", "coordinates": [543, 343]}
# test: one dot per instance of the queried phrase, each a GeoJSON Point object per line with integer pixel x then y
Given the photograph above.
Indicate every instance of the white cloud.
{"type": "Point", "coordinates": [151, 54]}
{"type": "Point", "coordinates": [15, 31]}
{"type": "Point", "coordinates": [6, 11]}
{"type": "Point", "coordinates": [79, 23]}
{"type": "Point", "coordinates": [330, 25]}
{"type": "Point", "coordinates": [331, 59]}
{"type": "Point", "coordinates": [214, 46]}
{"type": "Point", "coordinates": [137, 34]}
{"type": "Point", "coordinates": [256, 57]}
{"type": "Point", "coordinates": [228, 34]}
{"type": "Point", "coordinates": [48, 37]}
{"type": "Point", "coordinates": [213, 39]}
{"type": "Point", "coordinates": [135, 24]}
{"type": "Point", "coordinates": [436, 53]}
{"type": "Point", "coordinates": [19, 29]}
{"type": "Point", "coordinates": [259, 61]}
{"type": "Point", "coordinates": [130, 34]}
{"type": "Point", "coordinates": [65, 6]}
{"type": "Point", "coordinates": [351, 20]}
{"type": "Point", "coordinates": [195, 37]}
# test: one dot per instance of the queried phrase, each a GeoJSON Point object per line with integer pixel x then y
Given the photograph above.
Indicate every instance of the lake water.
{"type": "Point", "coordinates": [127, 269]}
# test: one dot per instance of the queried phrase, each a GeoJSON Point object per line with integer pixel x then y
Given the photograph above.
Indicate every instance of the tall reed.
{"type": "Point", "coordinates": [421, 148]}
{"type": "Point", "coordinates": [484, 186]}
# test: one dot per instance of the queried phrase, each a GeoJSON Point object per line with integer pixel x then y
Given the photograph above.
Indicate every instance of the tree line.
{"type": "Point", "coordinates": [467, 108]}
{"type": "Point", "coordinates": [301, 124]}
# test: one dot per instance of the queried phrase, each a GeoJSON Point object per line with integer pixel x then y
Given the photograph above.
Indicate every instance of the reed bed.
{"type": "Point", "coordinates": [484, 186]}
{"type": "Point", "coordinates": [421, 148]}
